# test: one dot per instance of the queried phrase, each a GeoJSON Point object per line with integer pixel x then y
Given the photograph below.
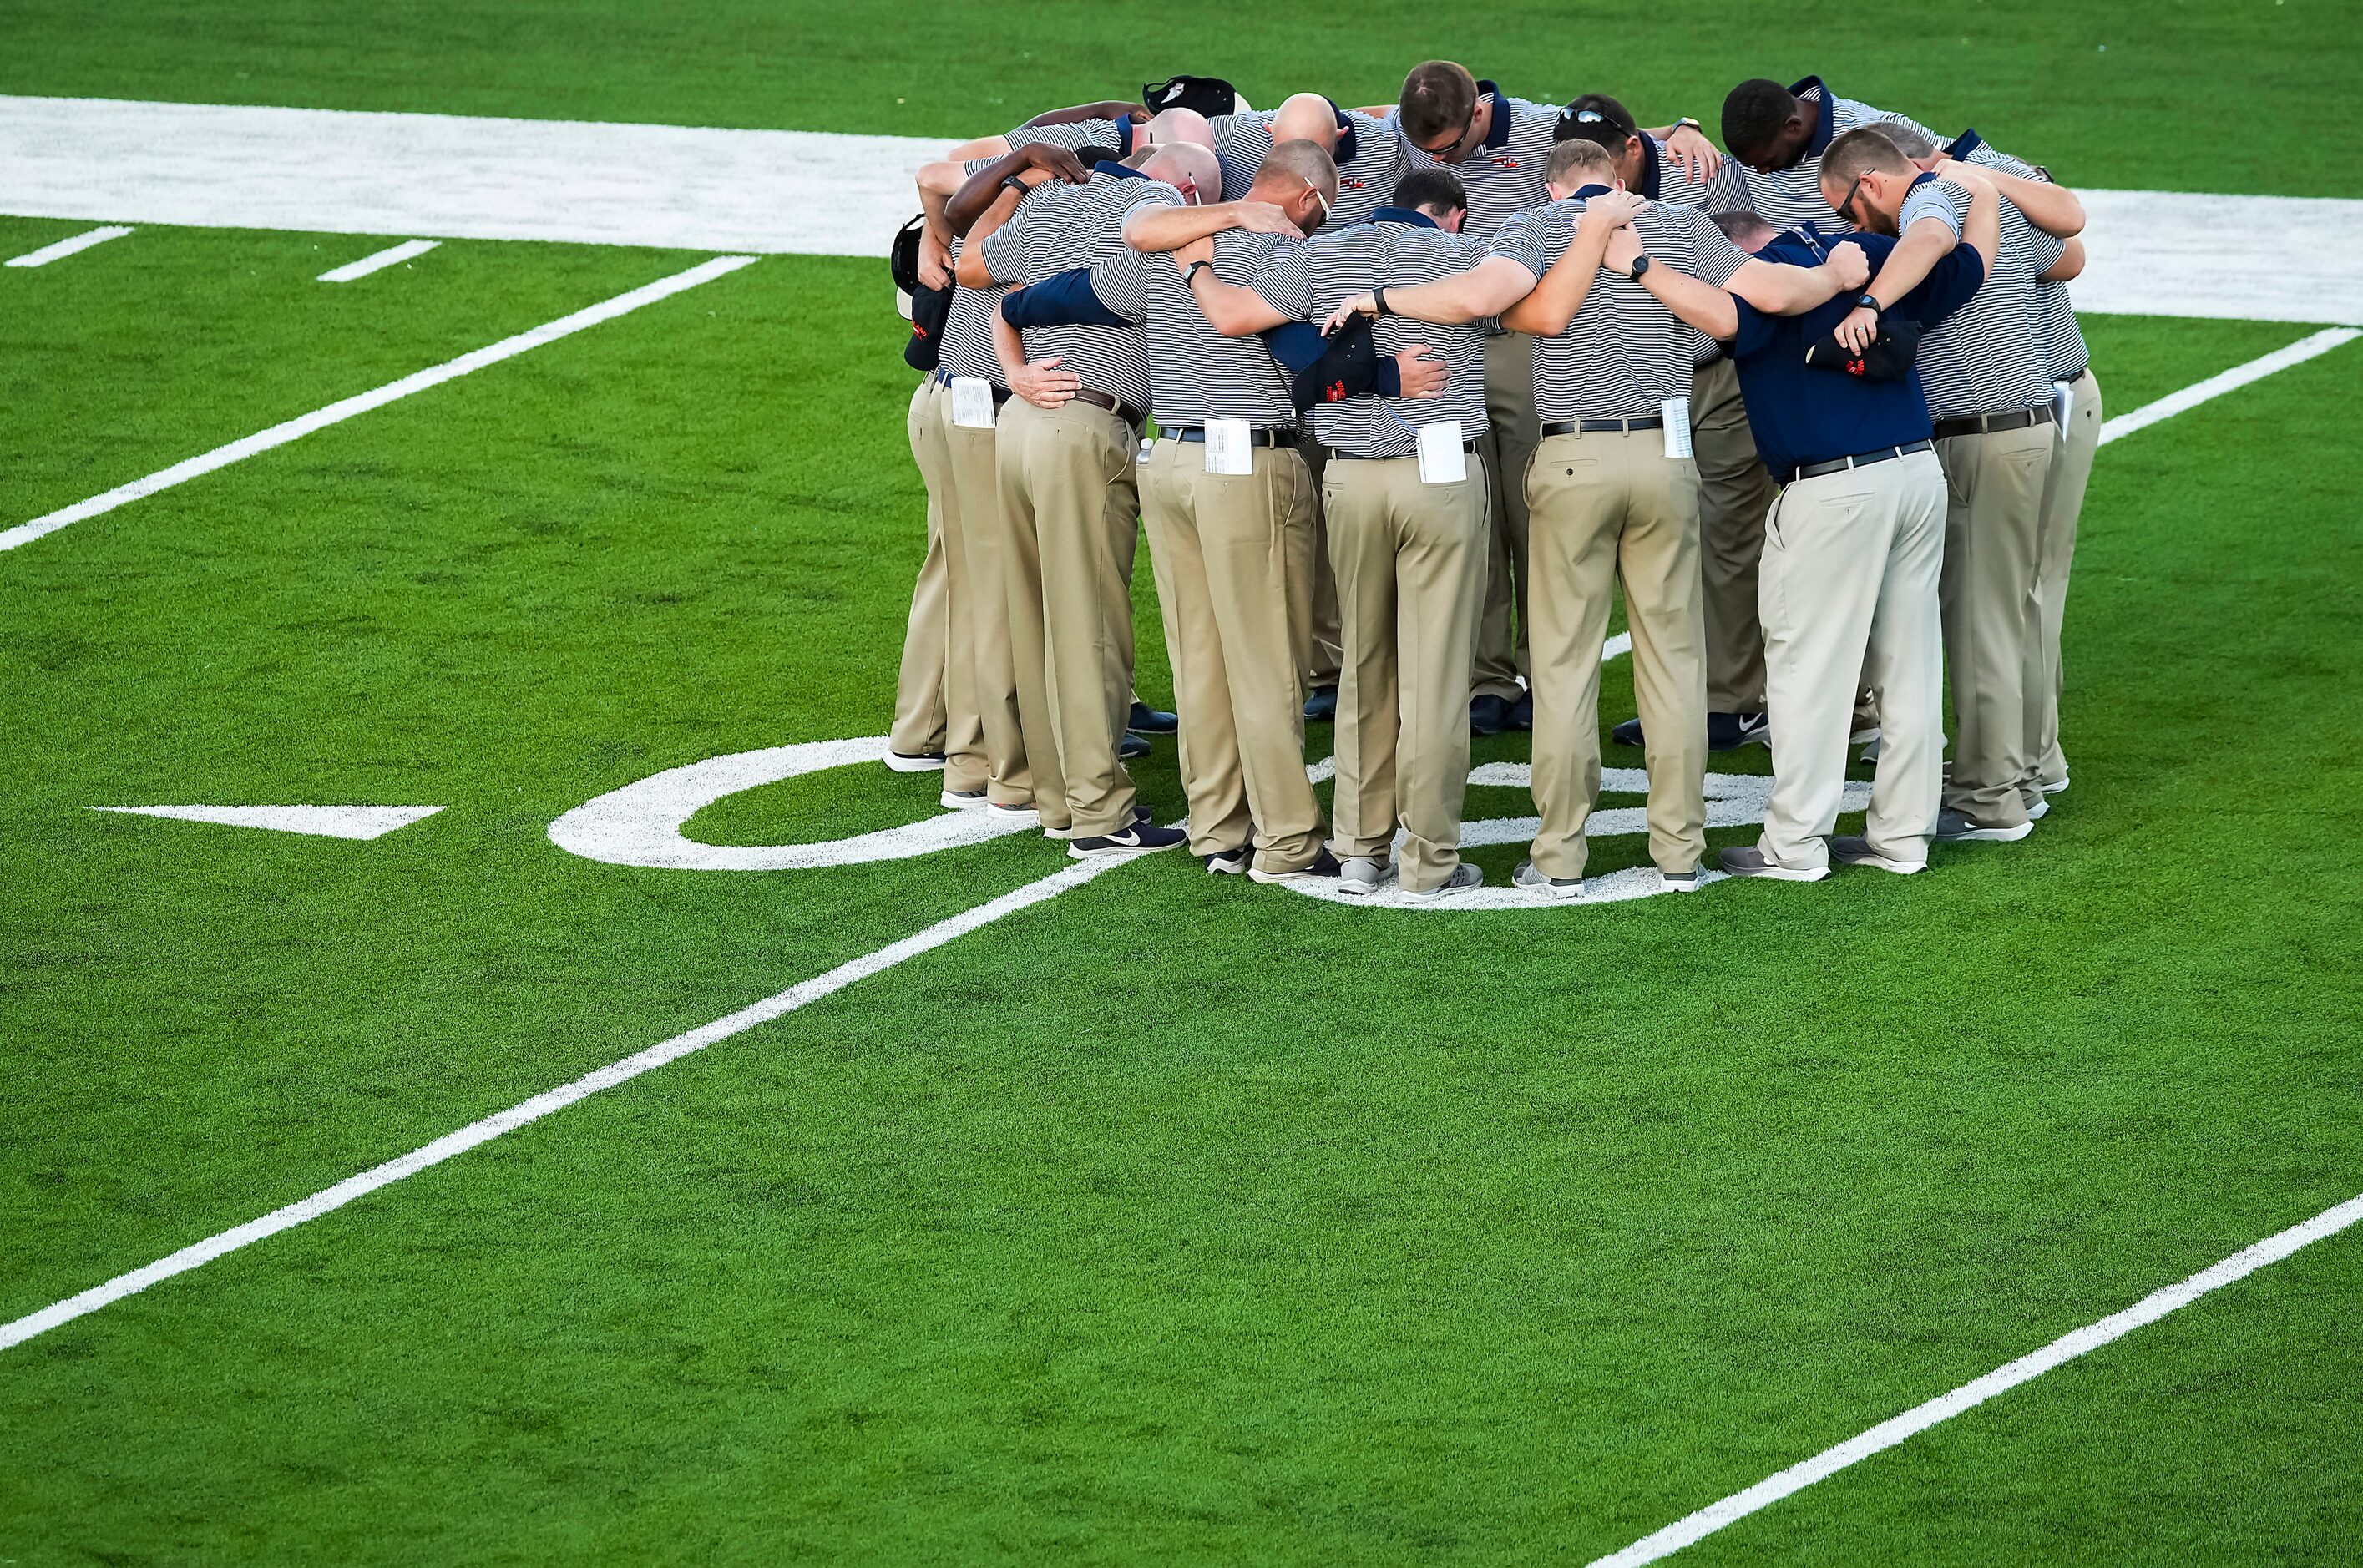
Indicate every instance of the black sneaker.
{"type": "Point", "coordinates": [1627, 733]}
{"type": "Point", "coordinates": [1953, 827]}
{"type": "Point", "coordinates": [1324, 865]}
{"type": "Point", "coordinates": [915, 762]}
{"type": "Point", "coordinates": [1521, 712]}
{"type": "Point", "coordinates": [1137, 839]}
{"type": "Point", "coordinates": [1488, 714]}
{"type": "Point", "coordinates": [1147, 720]}
{"type": "Point", "coordinates": [1730, 731]}
{"type": "Point", "coordinates": [1320, 707]}
{"type": "Point", "coordinates": [1229, 862]}
{"type": "Point", "coordinates": [1131, 748]}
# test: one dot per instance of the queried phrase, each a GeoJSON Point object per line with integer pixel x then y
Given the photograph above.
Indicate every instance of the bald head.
{"type": "Point", "coordinates": [1170, 127]}
{"type": "Point", "coordinates": [1300, 179]}
{"type": "Point", "coordinates": [1307, 117]}
{"type": "Point", "coordinates": [1189, 169]}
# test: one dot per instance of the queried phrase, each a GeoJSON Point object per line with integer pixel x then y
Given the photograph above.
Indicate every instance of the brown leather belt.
{"type": "Point", "coordinates": [1992, 423]}
{"type": "Point", "coordinates": [1595, 426]}
{"type": "Point", "coordinates": [1113, 406]}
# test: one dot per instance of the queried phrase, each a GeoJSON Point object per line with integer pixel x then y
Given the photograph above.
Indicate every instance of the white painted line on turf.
{"type": "Point", "coordinates": [67, 247]}
{"type": "Point", "coordinates": [392, 256]}
{"type": "Point", "coordinates": [1616, 647]}
{"type": "Point", "coordinates": [1969, 1396]}
{"type": "Point", "coordinates": [378, 398]}
{"type": "Point", "coordinates": [325, 821]}
{"type": "Point", "coordinates": [2232, 380]}
{"type": "Point", "coordinates": [526, 1112]}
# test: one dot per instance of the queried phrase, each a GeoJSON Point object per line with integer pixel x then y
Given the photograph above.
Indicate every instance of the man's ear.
{"type": "Point", "coordinates": [1455, 218]}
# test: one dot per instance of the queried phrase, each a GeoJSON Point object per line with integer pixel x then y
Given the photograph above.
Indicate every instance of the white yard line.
{"type": "Point", "coordinates": [329, 1199]}
{"type": "Point", "coordinates": [1969, 1396]}
{"type": "Point", "coordinates": [2232, 380]}
{"type": "Point", "coordinates": [361, 402]}
{"type": "Point", "coordinates": [67, 247]}
{"type": "Point", "coordinates": [818, 192]}
{"type": "Point", "coordinates": [377, 261]}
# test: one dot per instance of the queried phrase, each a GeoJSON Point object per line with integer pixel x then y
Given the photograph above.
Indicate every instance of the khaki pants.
{"type": "Point", "coordinates": [1069, 507]}
{"type": "Point", "coordinates": [1735, 496]}
{"type": "Point", "coordinates": [1411, 579]}
{"type": "Point", "coordinates": [1849, 576]}
{"type": "Point", "coordinates": [1324, 645]}
{"type": "Point", "coordinates": [976, 482]}
{"type": "Point", "coordinates": [1234, 559]}
{"type": "Point", "coordinates": [935, 703]}
{"type": "Point", "coordinates": [1508, 446]}
{"type": "Point", "coordinates": [1993, 520]}
{"type": "Point", "coordinates": [2055, 550]}
{"type": "Point", "coordinates": [1603, 506]}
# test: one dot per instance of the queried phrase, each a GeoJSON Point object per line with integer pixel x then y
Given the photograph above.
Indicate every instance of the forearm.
{"type": "Point", "coordinates": [978, 193]}
{"type": "Point", "coordinates": [2051, 208]}
{"type": "Point", "coordinates": [1560, 292]}
{"type": "Point", "coordinates": [2069, 266]}
{"type": "Point", "coordinates": [1007, 347]}
{"type": "Point", "coordinates": [972, 271]}
{"type": "Point", "coordinates": [931, 207]}
{"type": "Point", "coordinates": [1153, 228]}
{"type": "Point", "coordinates": [1777, 289]}
{"type": "Point", "coordinates": [1105, 109]}
{"type": "Point", "coordinates": [982, 147]}
{"type": "Point", "coordinates": [1701, 304]}
{"type": "Point", "coordinates": [1231, 309]}
{"type": "Point", "coordinates": [1928, 242]}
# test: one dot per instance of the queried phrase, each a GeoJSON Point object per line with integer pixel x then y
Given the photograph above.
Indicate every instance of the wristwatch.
{"type": "Point", "coordinates": [1686, 120]}
{"type": "Point", "coordinates": [1866, 302]}
{"type": "Point", "coordinates": [1640, 265]}
{"type": "Point", "coordinates": [1190, 272]}
{"type": "Point", "coordinates": [1379, 300]}
{"type": "Point", "coordinates": [1012, 183]}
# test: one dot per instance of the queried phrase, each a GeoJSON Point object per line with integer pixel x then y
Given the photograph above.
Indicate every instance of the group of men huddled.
{"type": "Point", "coordinates": [1426, 382]}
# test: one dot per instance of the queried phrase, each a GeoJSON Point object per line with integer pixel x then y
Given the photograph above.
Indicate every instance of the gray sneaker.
{"type": "Point", "coordinates": [2038, 809]}
{"type": "Point", "coordinates": [1362, 877]}
{"type": "Point", "coordinates": [1952, 827]}
{"type": "Point", "coordinates": [1689, 881]}
{"type": "Point", "coordinates": [2053, 786]}
{"type": "Point", "coordinates": [1749, 861]}
{"type": "Point", "coordinates": [1532, 881]}
{"type": "Point", "coordinates": [1851, 851]}
{"type": "Point", "coordinates": [1464, 877]}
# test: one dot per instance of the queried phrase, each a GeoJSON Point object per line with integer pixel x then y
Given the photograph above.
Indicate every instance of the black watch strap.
{"type": "Point", "coordinates": [1190, 272]}
{"type": "Point", "coordinates": [1864, 302]}
{"type": "Point", "coordinates": [1379, 298]}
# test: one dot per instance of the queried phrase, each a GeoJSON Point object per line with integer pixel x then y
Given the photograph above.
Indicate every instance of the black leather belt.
{"type": "Point", "coordinates": [1593, 427]}
{"type": "Point", "coordinates": [1257, 437]}
{"type": "Point", "coordinates": [945, 378]}
{"type": "Point", "coordinates": [2077, 376]}
{"type": "Point", "coordinates": [1860, 459]}
{"type": "Point", "coordinates": [1990, 424]}
{"type": "Point", "coordinates": [1339, 454]}
{"type": "Point", "coordinates": [1116, 407]}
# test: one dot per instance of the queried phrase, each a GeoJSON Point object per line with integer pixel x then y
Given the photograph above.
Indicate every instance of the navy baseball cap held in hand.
{"type": "Point", "coordinates": [1345, 368]}
{"type": "Point", "coordinates": [1887, 357]}
{"type": "Point", "coordinates": [1209, 95]}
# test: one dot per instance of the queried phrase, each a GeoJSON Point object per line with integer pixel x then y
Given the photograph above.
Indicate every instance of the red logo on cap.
{"type": "Point", "coordinates": [1333, 393]}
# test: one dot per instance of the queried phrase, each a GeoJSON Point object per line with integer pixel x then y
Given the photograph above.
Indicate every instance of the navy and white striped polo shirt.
{"type": "Point", "coordinates": [1194, 372]}
{"type": "Point", "coordinates": [1057, 226]}
{"type": "Point", "coordinates": [1988, 357]}
{"type": "Point", "coordinates": [1793, 196]}
{"type": "Point", "coordinates": [967, 347]}
{"type": "Point", "coordinates": [1623, 353]}
{"type": "Point", "coordinates": [1368, 155]}
{"type": "Point", "coordinates": [1663, 180]}
{"type": "Point", "coordinates": [1504, 174]}
{"type": "Point", "coordinates": [1395, 249]}
{"type": "Point", "coordinates": [2063, 340]}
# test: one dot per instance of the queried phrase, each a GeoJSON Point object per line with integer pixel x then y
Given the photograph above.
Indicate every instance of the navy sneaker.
{"type": "Point", "coordinates": [1229, 862]}
{"type": "Point", "coordinates": [1147, 720]}
{"type": "Point", "coordinates": [1953, 827]}
{"type": "Point", "coordinates": [1521, 712]}
{"type": "Point", "coordinates": [1730, 731]}
{"type": "Point", "coordinates": [1137, 839]}
{"type": "Point", "coordinates": [1627, 733]}
{"type": "Point", "coordinates": [1131, 748]}
{"type": "Point", "coordinates": [1324, 865]}
{"type": "Point", "coordinates": [1320, 707]}
{"type": "Point", "coordinates": [1488, 714]}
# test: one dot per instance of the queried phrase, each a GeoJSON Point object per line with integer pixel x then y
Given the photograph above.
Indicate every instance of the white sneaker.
{"type": "Point", "coordinates": [2040, 809]}
{"type": "Point", "coordinates": [1952, 827]}
{"type": "Point", "coordinates": [1000, 813]}
{"type": "Point", "coordinates": [1464, 877]}
{"type": "Point", "coordinates": [1565, 888]}
{"type": "Point", "coordinates": [2055, 786]}
{"type": "Point", "coordinates": [1746, 859]}
{"type": "Point", "coordinates": [963, 800]}
{"type": "Point", "coordinates": [1689, 881]}
{"type": "Point", "coordinates": [1362, 877]}
{"type": "Point", "coordinates": [1856, 851]}
{"type": "Point", "coordinates": [924, 762]}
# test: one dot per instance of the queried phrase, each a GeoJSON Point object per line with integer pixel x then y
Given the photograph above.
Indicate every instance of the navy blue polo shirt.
{"type": "Point", "coordinates": [1800, 415]}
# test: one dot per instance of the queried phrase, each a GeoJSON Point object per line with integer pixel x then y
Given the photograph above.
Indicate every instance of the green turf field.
{"type": "Point", "coordinates": [1174, 1219]}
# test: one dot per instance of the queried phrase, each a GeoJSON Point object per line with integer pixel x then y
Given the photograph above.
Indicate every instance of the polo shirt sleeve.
{"type": "Point", "coordinates": [1003, 251]}
{"type": "Point", "coordinates": [2048, 248]}
{"type": "Point", "coordinates": [1121, 283]}
{"type": "Point", "coordinates": [1728, 192]}
{"type": "Point", "coordinates": [1957, 276]}
{"type": "Point", "coordinates": [1521, 240]}
{"type": "Point", "coordinates": [1286, 283]}
{"type": "Point", "coordinates": [1712, 257]}
{"type": "Point", "coordinates": [1072, 135]}
{"type": "Point", "coordinates": [1939, 199]}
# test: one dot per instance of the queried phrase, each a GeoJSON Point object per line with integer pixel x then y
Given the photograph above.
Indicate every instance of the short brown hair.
{"type": "Point", "coordinates": [1579, 153]}
{"type": "Point", "coordinates": [1438, 97]}
{"type": "Point", "coordinates": [1858, 152]}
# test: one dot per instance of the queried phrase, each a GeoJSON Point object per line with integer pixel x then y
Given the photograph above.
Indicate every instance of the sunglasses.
{"type": "Point", "coordinates": [1454, 151]}
{"type": "Point", "coordinates": [1845, 209]}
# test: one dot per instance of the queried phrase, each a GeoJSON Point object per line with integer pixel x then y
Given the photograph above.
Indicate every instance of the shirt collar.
{"type": "Point", "coordinates": [1403, 215]}
{"type": "Point", "coordinates": [1347, 144]}
{"type": "Point", "coordinates": [1124, 135]}
{"type": "Point", "coordinates": [1968, 142]}
{"type": "Point", "coordinates": [1827, 103]}
{"type": "Point", "coordinates": [1590, 191]}
{"type": "Point", "coordinates": [1498, 133]}
{"type": "Point", "coordinates": [1118, 169]}
{"type": "Point", "coordinates": [1650, 174]}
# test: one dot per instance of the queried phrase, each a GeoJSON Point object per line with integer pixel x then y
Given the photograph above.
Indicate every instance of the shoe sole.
{"type": "Point", "coordinates": [1557, 894]}
{"type": "Point", "coordinates": [902, 764]}
{"type": "Point", "coordinates": [1779, 874]}
{"type": "Point", "coordinates": [1058, 835]}
{"type": "Point", "coordinates": [1270, 878]}
{"type": "Point", "coordinates": [1232, 870]}
{"type": "Point", "coordinates": [1671, 885]}
{"type": "Point", "coordinates": [1355, 889]}
{"type": "Point", "coordinates": [2053, 788]}
{"type": "Point", "coordinates": [1077, 852]}
{"type": "Point", "coordinates": [1987, 835]}
{"type": "Point", "coordinates": [1024, 814]}
{"type": "Point", "coordinates": [1760, 738]}
{"type": "Point", "coordinates": [1438, 895]}
{"type": "Point", "coordinates": [962, 803]}
{"type": "Point", "coordinates": [1880, 863]}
